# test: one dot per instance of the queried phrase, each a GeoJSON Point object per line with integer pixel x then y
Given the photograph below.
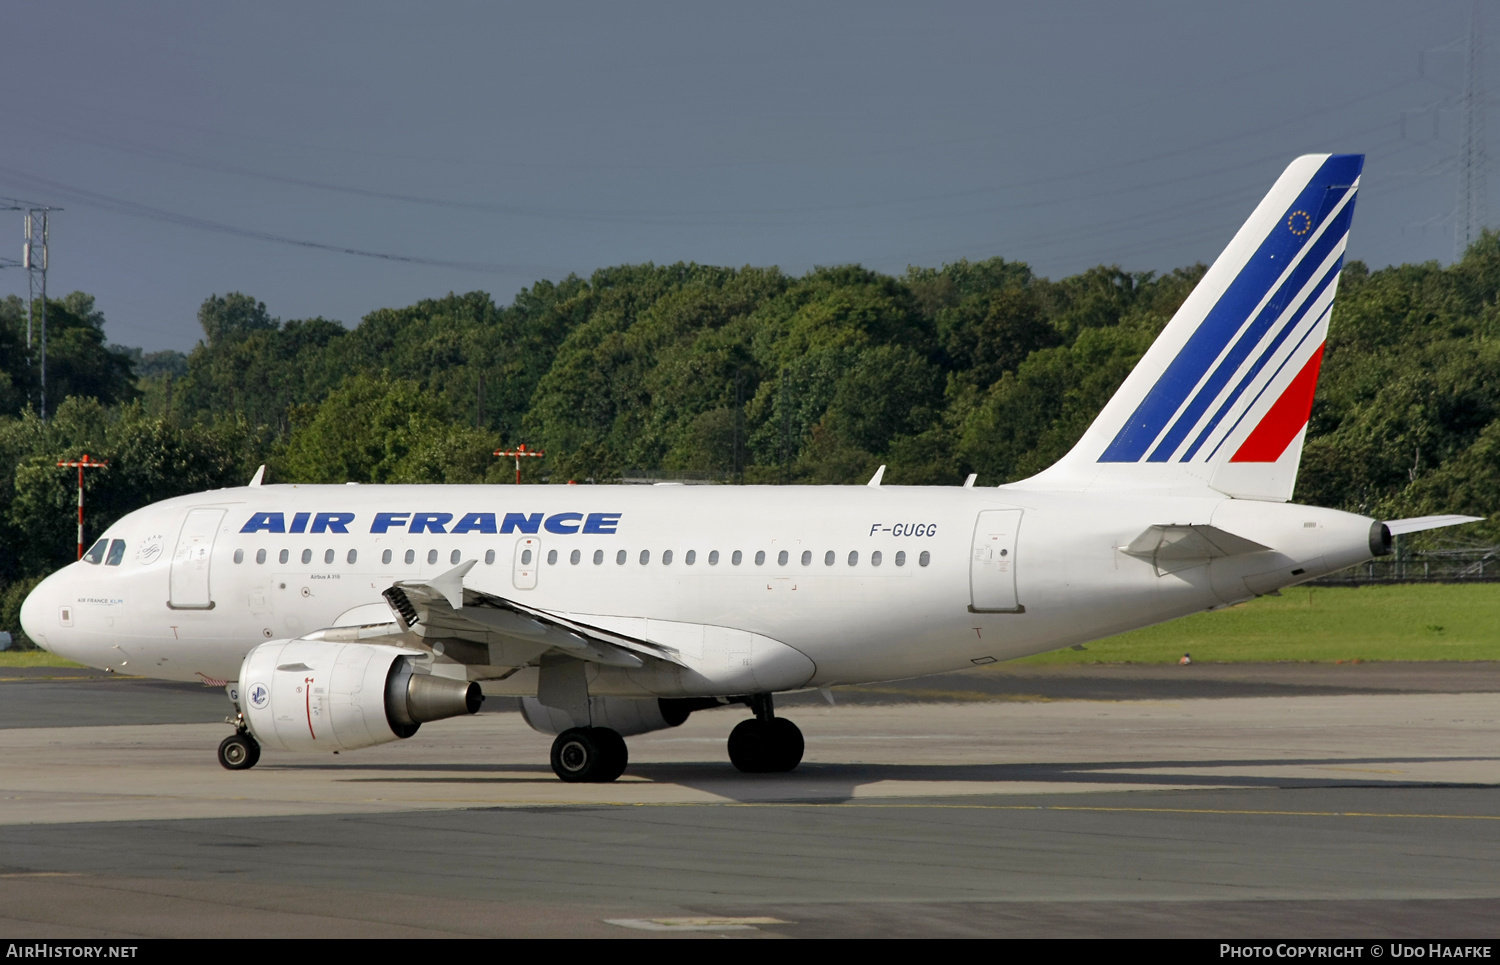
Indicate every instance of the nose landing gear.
{"type": "Point", "coordinates": [765, 744]}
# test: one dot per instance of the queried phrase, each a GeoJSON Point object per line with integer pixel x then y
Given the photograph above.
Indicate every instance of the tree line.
{"type": "Point", "coordinates": [731, 374]}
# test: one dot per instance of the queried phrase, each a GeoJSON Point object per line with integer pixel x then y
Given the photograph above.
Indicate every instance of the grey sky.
{"type": "Point", "coordinates": [191, 144]}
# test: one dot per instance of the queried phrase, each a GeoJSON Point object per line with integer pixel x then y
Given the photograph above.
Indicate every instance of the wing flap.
{"type": "Point", "coordinates": [443, 608]}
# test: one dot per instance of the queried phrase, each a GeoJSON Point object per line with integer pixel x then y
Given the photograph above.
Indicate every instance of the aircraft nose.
{"type": "Point", "coordinates": [35, 610]}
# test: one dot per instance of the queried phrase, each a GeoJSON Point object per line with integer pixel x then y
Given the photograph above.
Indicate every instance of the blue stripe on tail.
{"type": "Point", "coordinates": [1211, 337]}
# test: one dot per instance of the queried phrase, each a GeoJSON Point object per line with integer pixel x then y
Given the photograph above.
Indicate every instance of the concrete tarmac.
{"type": "Point", "coordinates": [1251, 801]}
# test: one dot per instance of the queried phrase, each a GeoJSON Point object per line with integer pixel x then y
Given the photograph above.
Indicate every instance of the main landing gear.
{"type": "Point", "coordinates": [239, 751]}
{"type": "Point", "coordinates": [766, 743]}
{"type": "Point", "coordinates": [589, 755]}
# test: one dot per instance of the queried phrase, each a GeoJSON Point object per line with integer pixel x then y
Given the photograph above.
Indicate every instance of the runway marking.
{"type": "Point", "coordinates": [695, 924]}
{"type": "Point", "coordinates": [998, 807]}
{"type": "Point", "coordinates": [43, 874]}
{"type": "Point", "coordinates": [68, 678]}
{"type": "Point", "coordinates": [1364, 770]}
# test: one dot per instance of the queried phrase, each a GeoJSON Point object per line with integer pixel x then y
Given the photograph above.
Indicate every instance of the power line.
{"type": "Point", "coordinates": [135, 209]}
{"type": "Point", "coordinates": [1470, 214]}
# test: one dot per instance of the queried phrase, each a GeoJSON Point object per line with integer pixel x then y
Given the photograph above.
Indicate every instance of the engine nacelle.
{"type": "Point", "coordinates": [623, 715]}
{"type": "Point", "coordinates": [313, 695]}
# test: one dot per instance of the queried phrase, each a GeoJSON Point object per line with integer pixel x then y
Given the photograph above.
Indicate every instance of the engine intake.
{"type": "Point", "coordinates": [319, 695]}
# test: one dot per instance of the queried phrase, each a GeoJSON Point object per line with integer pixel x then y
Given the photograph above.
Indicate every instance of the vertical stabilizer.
{"type": "Point", "coordinates": [1222, 398]}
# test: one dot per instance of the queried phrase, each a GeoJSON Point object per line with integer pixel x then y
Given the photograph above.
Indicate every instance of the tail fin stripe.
{"type": "Point", "coordinates": [1313, 258]}
{"type": "Point", "coordinates": [1333, 183]}
{"type": "Point", "coordinates": [1296, 350]}
{"type": "Point", "coordinates": [1292, 324]}
{"type": "Point", "coordinates": [1286, 418]}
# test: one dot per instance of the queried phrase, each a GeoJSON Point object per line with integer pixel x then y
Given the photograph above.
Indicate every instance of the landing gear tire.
{"type": "Point", "coordinates": [239, 751]}
{"type": "Point", "coordinates": [765, 746]}
{"type": "Point", "coordinates": [589, 755]}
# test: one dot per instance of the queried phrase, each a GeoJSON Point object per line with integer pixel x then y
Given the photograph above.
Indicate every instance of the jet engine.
{"type": "Point", "coordinates": [311, 695]}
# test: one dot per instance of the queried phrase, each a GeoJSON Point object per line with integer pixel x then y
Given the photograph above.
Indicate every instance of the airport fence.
{"type": "Point", "coordinates": [1476, 564]}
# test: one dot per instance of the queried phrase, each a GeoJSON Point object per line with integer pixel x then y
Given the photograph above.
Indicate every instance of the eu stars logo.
{"type": "Point", "coordinates": [1299, 223]}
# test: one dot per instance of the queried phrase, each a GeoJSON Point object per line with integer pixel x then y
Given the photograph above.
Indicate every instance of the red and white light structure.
{"type": "Point", "coordinates": [83, 462]}
{"type": "Point", "coordinates": [520, 452]}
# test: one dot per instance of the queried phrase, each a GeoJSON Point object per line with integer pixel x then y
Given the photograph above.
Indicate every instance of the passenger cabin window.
{"type": "Point", "coordinates": [782, 557]}
{"type": "Point", "coordinates": [575, 557]}
{"type": "Point", "coordinates": [620, 558]}
{"type": "Point", "coordinates": [645, 557]}
{"type": "Point", "coordinates": [285, 555]}
{"type": "Point", "coordinates": [431, 557]}
{"type": "Point", "coordinates": [411, 557]}
{"type": "Point", "coordinates": [666, 558]}
{"type": "Point", "coordinates": [489, 557]}
{"type": "Point", "coordinates": [924, 559]}
{"type": "Point", "coordinates": [328, 556]}
{"type": "Point", "coordinates": [875, 558]}
{"type": "Point", "coordinates": [713, 557]}
{"type": "Point", "coordinates": [552, 557]}
{"type": "Point", "coordinates": [526, 557]}
{"type": "Point", "coordinates": [353, 555]}
{"type": "Point", "coordinates": [901, 557]}
{"type": "Point", "coordinates": [307, 556]}
{"type": "Point", "coordinates": [454, 557]}
{"type": "Point", "coordinates": [807, 557]}
{"type": "Point", "coordinates": [854, 557]}
{"type": "Point", "coordinates": [385, 557]}
{"type": "Point", "coordinates": [691, 557]}
{"type": "Point", "coordinates": [736, 558]}
{"type": "Point", "coordinates": [95, 554]}
{"type": "Point", "coordinates": [760, 557]}
{"type": "Point", "coordinates": [598, 557]}
{"type": "Point", "coordinates": [117, 553]}
{"type": "Point", "coordinates": [260, 556]}
{"type": "Point", "coordinates": [239, 556]}
{"type": "Point", "coordinates": [828, 558]}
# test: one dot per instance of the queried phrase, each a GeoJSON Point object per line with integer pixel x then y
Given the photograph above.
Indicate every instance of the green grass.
{"type": "Point", "coordinates": [33, 658]}
{"type": "Point", "coordinates": [1404, 622]}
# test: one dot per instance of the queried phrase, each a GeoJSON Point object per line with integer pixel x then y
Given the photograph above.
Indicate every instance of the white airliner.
{"type": "Point", "coordinates": [340, 617]}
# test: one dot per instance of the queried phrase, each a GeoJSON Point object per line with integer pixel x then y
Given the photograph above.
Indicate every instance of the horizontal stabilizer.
{"type": "Point", "coordinates": [1177, 546]}
{"type": "Point", "coordinates": [1417, 524]}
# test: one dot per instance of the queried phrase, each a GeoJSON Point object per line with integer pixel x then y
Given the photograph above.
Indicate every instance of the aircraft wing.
{"type": "Point", "coordinates": [1417, 524]}
{"type": "Point", "coordinates": [1177, 546]}
{"type": "Point", "coordinates": [442, 610]}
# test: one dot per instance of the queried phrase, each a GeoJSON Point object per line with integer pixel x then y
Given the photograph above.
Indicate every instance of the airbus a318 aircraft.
{"type": "Point", "coordinates": [340, 617]}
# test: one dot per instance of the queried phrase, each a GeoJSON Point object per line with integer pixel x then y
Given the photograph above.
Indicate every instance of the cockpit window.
{"type": "Point", "coordinates": [116, 553]}
{"type": "Point", "coordinates": [95, 554]}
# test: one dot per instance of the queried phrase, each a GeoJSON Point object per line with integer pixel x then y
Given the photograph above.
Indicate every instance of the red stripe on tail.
{"type": "Point", "coordinates": [1286, 418]}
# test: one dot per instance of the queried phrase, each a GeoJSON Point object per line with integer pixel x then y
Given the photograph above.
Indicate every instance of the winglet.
{"type": "Point", "coordinates": [451, 583]}
{"type": "Point", "coordinates": [875, 479]}
{"type": "Point", "coordinates": [259, 477]}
